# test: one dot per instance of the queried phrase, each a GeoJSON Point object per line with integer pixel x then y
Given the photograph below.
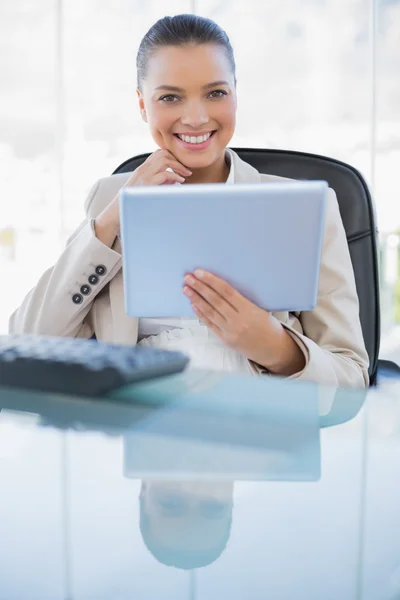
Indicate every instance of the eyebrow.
{"type": "Point", "coordinates": [172, 88]}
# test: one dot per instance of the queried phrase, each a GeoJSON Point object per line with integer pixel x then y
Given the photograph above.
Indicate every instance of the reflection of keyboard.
{"type": "Point", "coordinates": [80, 367]}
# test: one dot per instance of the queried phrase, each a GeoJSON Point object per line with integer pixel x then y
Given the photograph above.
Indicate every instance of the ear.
{"type": "Point", "coordinates": [142, 106]}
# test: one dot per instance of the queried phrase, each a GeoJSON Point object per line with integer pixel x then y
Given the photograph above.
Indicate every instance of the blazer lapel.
{"type": "Point", "coordinates": [243, 172]}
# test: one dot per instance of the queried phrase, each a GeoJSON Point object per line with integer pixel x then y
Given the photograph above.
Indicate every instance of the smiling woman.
{"type": "Point", "coordinates": [186, 87]}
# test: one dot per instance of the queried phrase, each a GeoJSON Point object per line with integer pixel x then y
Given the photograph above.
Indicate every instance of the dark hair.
{"type": "Point", "coordinates": [181, 30]}
{"type": "Point", "coordinates": [181, 559]}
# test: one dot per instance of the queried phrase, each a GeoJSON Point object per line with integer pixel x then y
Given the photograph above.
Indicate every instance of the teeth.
{"type": "Point", "coordinates": [194, 140]}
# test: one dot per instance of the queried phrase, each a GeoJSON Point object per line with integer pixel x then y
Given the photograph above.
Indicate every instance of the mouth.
{"type": "Point", "coordinates": [195, 142]}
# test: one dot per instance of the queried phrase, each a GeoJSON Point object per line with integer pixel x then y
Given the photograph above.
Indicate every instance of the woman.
{"type": "Point", "coordinates": [187, 94]}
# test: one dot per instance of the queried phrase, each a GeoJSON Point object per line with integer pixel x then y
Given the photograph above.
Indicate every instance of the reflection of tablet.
{"type": "Point", "coordinates": [228, 428]}
{"type": "Point", "coordinates": [264, 238]}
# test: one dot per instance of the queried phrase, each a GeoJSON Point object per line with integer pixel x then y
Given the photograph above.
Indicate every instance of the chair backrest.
{"type": "Point", "coordinates": [357, 212]}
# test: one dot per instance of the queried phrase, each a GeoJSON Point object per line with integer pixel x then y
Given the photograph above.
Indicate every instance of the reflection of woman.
{"type": "Point", "coordinates": [186, 524]}
{"type": "Point", "coordinates": [187, 95]}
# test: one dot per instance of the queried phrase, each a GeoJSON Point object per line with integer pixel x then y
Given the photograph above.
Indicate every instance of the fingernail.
{"type": "Point", "coordinates": [182, 179]}
{"type": "Point", "coordinates": [199, 273]}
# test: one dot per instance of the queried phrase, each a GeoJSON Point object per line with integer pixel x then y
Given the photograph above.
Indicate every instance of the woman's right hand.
{"type": "Point", "coordinates": [152, 172]}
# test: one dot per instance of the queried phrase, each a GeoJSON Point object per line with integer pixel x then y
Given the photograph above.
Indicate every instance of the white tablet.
{"type": "Point", "coordinates": [265, 239]}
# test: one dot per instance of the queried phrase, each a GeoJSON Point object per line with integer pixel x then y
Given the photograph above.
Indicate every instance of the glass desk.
{"type": "Point", "coordinates": [201, 486]}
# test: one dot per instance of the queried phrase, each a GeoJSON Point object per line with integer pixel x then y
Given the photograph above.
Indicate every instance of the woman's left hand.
{"type": "Point", "coordinates": [239, 323]}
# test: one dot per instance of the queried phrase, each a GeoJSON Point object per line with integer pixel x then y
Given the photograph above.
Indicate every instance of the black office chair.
{"type": "Point", "coordinates": [357, 212]}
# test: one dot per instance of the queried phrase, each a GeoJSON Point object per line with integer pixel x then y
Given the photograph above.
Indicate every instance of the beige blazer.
{"type": "Point", "coordinates": [330, 336]}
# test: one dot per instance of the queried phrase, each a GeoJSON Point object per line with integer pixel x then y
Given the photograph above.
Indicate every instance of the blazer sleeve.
{"type": "Point", "coordinates": [56, 305]}
{"type": "Point", "coordinates": [330, 336]}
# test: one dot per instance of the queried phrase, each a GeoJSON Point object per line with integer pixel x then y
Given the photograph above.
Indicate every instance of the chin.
{"type": "Point", "coordinates": [197, 162]}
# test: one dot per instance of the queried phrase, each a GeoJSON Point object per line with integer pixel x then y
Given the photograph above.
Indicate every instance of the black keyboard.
{"type": "Point", "coordinates": [80, 367]}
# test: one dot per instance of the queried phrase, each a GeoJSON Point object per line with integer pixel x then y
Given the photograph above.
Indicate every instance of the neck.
{"type": "Point", "coordinates": [218, 172]}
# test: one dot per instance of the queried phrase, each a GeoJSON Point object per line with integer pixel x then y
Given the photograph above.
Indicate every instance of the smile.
{"type": "Point", "coordinates": [191, 139]}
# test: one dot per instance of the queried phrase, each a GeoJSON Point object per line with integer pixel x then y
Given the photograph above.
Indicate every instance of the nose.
{"type": "Point", "coordinates": [195, 115]}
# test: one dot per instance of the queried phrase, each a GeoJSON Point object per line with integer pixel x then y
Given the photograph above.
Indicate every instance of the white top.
{"type": "Point", "coordinates": [154, 326]}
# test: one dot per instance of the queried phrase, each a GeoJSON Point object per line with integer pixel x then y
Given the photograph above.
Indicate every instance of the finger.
{"type": "Point", "coordinates": [203, 317]}
{"type": "Point", "coordinates": [166, 159]}
{"type": "Point", "coordinates": [210, 311]}
{"type": "Point", "coordinates": [156, 168]}
{"type": "Point", "coordinates": [178, 168]}
{"type": "Point", "coordinates": [167, 177]}
{"type": "Point", "coordinates": [221, 287]}
{"type": "Point", "coordinates": [212, 297]}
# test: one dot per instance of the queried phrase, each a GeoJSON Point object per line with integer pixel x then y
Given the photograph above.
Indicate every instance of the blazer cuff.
{"type": "Point", "coordinates": [86, 262]}
{"type": "Point", "coordinates": [299, 339]}
{"type": "Point", "coordinates": [317, 365]}
{"type": "Point", "coordinates": [88, 253]}
{"type": "Point", "coordinates": [98, 246]}
{"type": "Point", "coordinates": [318, 362]}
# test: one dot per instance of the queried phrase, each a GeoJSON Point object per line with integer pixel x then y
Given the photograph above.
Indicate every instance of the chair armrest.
{"type": "Point", "coordinates": [387, 370]}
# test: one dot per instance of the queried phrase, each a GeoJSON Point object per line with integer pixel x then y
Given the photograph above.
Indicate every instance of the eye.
{"type": "Point", "coordinates": [212, 509]}
{"type": "Point", "coordinates": [218, 94]}
{"type": "Point", "coordinates": [170, 504]}
{"type": "Point", "coordinates": [170, 98]}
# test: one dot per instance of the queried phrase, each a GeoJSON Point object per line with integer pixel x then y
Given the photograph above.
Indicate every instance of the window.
{"type": "Point", "coordinates": [307, 80]}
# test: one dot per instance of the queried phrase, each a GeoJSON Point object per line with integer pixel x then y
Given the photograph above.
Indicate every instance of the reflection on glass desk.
{"type": "Point", "coordinates": [201, 486]}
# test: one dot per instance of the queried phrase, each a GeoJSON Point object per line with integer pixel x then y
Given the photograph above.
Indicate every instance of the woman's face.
{"type": "Point", "coordinates": [190, 91]}
{"type": "Point", "coordinates": [188, 515]}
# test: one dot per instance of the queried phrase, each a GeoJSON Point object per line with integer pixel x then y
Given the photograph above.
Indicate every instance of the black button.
{"type": "Point", "coordinates": [93, 279]}
{"type": "Point", "coordinates": [85, 290]}
{"type": "Point", "coordinates": [77, 299]}
{"type": "Point", "coordinates": [101, 270]}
